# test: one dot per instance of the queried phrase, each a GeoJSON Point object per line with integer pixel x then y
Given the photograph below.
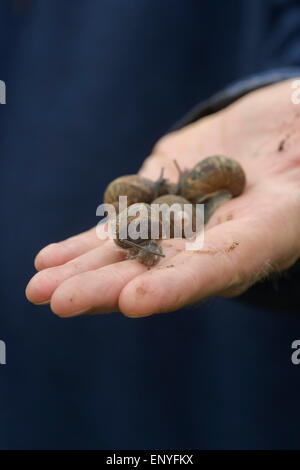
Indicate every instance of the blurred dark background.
{"type": "Point", "coordinates": [91, 85]}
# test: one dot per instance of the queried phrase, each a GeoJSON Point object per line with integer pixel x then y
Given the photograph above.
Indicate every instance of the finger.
{"type": "Point", "coordinates": [234, 254]}
{"type": "Point", "coordinates": [94, 291]}
{"type": "Point", "coordinates": [98, 291]}
{"type": "Point", "coordinates": [44, 283]}
{"type": "Point", "coordinates": [59, 253]}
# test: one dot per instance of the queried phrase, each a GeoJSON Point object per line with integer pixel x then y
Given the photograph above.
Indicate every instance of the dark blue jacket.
{"type": "Point", "coordinates": [91, 85]}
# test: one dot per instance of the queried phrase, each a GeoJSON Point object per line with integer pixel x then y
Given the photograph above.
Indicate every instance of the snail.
{"type": "Point", "coordinates": [169, 200]}
{"type": "Point", "coordinates": [136, 188]}
{"type": "Point", "coordinates": [141, 246]}
{"type": "Point", "coordinates": [210, 176]}
{"type": "Point", "coordinates": [212, 181]}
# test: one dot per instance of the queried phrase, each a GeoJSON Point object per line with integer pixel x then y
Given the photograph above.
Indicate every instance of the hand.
{"type": "Point", "coordinates": [246, 238]}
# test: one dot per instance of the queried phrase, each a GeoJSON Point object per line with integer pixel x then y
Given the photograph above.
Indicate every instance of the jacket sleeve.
{"type": "Point", "coordinates": [235, 91]}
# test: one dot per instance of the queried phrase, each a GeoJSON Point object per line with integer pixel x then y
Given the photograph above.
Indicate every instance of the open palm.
{"type": "Point", "coordinates": [245, 239]}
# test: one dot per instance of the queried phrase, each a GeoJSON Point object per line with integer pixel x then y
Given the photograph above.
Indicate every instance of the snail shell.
{"type": "Point", "coordinates": [136, 188]}
{"type": "Point", "coordinates": [136, 223]}
{"type": "Point", "coordinates": [142, 248]}
{"type": "Point", "coordinates": [211, 175]}
{"type": "Point", "coordinates": [169, 200]}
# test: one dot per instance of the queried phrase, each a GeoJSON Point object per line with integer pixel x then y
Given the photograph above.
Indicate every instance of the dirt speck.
{"type": "Point", "coordinates": [140, 292]}
{"type": "Point", "coordinates": [165, 267]}
{"type": "Point", "coordinates": [233, 246]}
{"type": "Point", "coordinates": [204, 252]}
{"type": "Point", "coordinates": [282, 143]}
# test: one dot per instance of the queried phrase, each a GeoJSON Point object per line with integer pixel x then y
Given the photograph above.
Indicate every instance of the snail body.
{"type": "Point", "coordinates": [148, 253]}
{"type": "Point", "coordinates": [212, 175]}
{"type": "Point", "coordinates": [211, 204]}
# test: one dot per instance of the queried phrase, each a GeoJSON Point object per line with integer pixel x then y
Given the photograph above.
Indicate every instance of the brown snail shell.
{"type": "Point", "coordinates": [169, 200]}
{"type": "Point", "coordinates": [136, 188]}
{"type": "Point", "coordinates": [144, 249]}
{"type": "Point", "coordinates": [211, 175]}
